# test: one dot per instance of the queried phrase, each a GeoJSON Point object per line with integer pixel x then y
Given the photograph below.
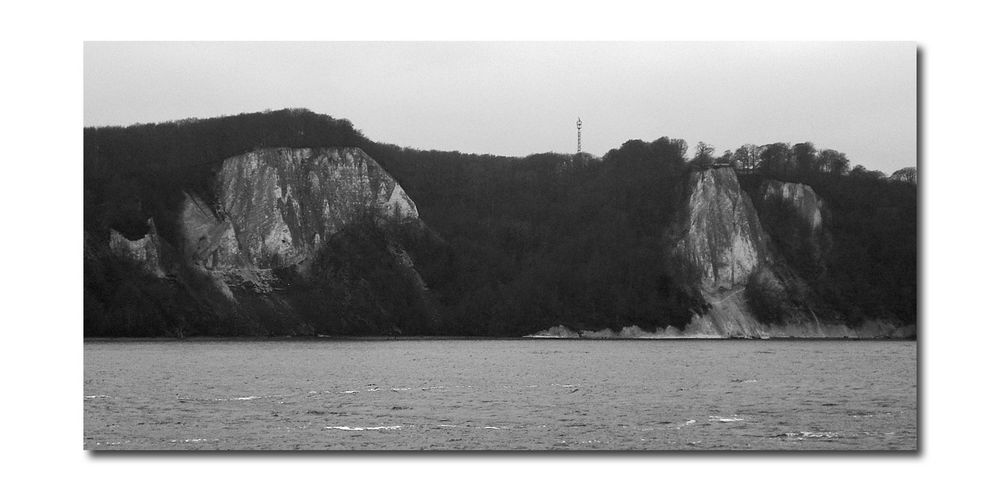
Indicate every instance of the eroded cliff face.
{"type": "Point", "coordinates": [721, 245]}
{"type": "Point", "coordinates": [718, 243]}
{"type": "Point", "coordinates": [799, 197]}
{"type": "Point", "coordinates": [718, 238]}
{"type": "Point", "coordinates": [276, 211]}
{"type": "Point", "coordinates": [792, 215]}
{"type": "Point", "coordinates": [145, 251]}
{"type": "Point", "coordinates": [277, 207]}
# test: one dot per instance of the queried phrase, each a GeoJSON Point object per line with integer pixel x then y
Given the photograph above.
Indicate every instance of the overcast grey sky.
{"type": "Point", "coordinates": [522, 98]}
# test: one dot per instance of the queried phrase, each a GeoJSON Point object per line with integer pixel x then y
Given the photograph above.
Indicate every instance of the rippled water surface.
{"type": "Point", "coordinates": [501, 395]}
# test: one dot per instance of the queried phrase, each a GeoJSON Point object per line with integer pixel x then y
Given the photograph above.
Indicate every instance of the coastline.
{"type": "Point", "coordinates": [123, 340]}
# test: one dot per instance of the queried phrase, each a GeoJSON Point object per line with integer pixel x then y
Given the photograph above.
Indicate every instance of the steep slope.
{"type": "Point", "coordinates": [797, 196]}
{"type": "Point", "coordinates": [751, 288]}
{"type": "Point", "coordinates": [276, 211]}
{"type": "Point", "coordinates": [718, 238]}
{"type": "Point", "coordinates": [277, 207]}
{"type": "Point", "coordinates": [792, 214]}
{"type": "Point", "coordinates": [144, 251]}
{"type": "Point", "coordinates": [526, 243]}
{"type": "Point", "coordinates": [717, 243]}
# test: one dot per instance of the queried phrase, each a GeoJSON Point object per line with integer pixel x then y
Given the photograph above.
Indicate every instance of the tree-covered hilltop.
{"type": "Point", "coordinates": [525, 243]}
{"type": "Point", "coordinates": [140, 171]}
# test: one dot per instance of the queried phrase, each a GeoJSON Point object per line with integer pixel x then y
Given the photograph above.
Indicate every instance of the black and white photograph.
{"type": "Point", "coordinates": [500, 246]}
{"type": "Point", "coordinates": [536, 244]}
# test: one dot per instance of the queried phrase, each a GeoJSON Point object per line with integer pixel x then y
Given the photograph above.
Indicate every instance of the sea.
{"type": "Point", "coordinates": [501, 395]}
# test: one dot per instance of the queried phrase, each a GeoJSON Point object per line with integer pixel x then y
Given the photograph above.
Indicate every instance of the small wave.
{"type": "Point", "coordinates": [194, 440]}
{"type": "Point", "coordinates": [687, 423]}
{"type": "Point", "coordinates": [97, 396]}
{"type": "Point", "coordinates": [802, 435]}
{"type": "Point", "coordinates": [238, 398]}
{"type": "Point", "coordinates": [242, 398]}
{"type": "Point", "coordinates": [820, 434]}
{"type": "Point", "coordinates": [400, 389]}
{"type": "Point", "coordinates": [349, 392]}
{"type": "Point", "coordinates": [362, 428]}
{"type": "Point", "coordinates": [744, 381]}
{"type": "Point", "coordinates": [721, 419]}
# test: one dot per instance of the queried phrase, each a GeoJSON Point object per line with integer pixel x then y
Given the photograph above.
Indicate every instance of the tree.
{"type": "Point", "coordinates": [703, 155]}
{"type": "Point", "coordinates": [776, 159]}
{"type": "Point", "coordinates": [747, 157]}
{"type": "Point", "coordinates": [906, 174]}
{"type": "Point", "coordinates": [833, 162]}
{"type": "Point", "coordinates": [726, 158]}
{"type": "Point", "coordinates": [668, 151]}
{"type": "Point", "coordinates": [861, 172]}
{"type": "Point", "coordinates": [805, 158]}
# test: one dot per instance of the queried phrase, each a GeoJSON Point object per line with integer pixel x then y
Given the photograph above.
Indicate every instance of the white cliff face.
{"type": "Point", "coordinates": [209, 241]}
{"type": "Point", "coordinates": [801, 200]}
{"type": "Point", "coordinates": [399, 205]}
{"type": "Point", "coordinates": [144, 251]}
{"type": "Point", "coordinates": [800, 197]}
{"type": "Point", "coordinates": [276, 207]}
{"type": "Point", "coordinates": [722, 240]}
{"type": "Point", "coordinates": [721, 243]}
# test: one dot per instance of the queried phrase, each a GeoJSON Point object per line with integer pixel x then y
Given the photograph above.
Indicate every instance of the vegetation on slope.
{"type": "Point", "coordinates": [529, 242]}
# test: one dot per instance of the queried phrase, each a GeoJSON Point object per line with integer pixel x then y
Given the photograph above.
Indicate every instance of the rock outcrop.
{"type": "Point", "coordinates": [277, 207]}
{"type": "Point", "coordinates": [247, 260]}
{"type": "Point", "coordinates": [793, 216]}
{"type": "Point", "coordinates": [797, 196]}
{"type": "Point", "coordinates": [146, 251]}
{"type": "Point", "coordinates": [718, 239]}
{"type": "Point", "coordinates": [868, 330]}
{"type": "Point", "coordinates": [718, 244]}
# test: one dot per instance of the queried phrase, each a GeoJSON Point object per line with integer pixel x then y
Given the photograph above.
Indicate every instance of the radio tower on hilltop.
{"type": "Point", "coordinates": [579, 135]}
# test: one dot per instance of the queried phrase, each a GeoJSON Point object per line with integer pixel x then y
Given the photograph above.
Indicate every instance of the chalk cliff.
{"type": "Point", "coordinates": [718, 237]}
{"type": "Point", "coordinates": [293, 223]}
{"type": "Point", "coordinates": [717, 243]}
{"type": "Point", "coordinates": [799, 197]}
{"type": "Point", "coordinates": [793, 215]}
{"type": "Point", "coordinates": [277, 207]}
{"type": "Point", "coordinates": [144, 251]}
{"type": "Point", "coordinates": [720, 245]}
{"type": "Point", "coordinates": [275, 211]}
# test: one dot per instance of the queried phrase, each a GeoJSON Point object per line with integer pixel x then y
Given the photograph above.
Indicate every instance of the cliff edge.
{"type": "Point", "coordinates": [750, 288]}
{"type": "Point", "coordinates": [259, 257]}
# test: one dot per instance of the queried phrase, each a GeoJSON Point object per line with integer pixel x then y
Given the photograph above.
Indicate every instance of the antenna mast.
{"type": "Point", "coordinates": [579, 137]}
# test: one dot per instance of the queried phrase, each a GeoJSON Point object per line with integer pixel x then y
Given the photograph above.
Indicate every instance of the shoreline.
{"type": "Point", "coordinates": [458, 338]}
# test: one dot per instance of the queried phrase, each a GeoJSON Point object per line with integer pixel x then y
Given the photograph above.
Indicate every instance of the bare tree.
{"type": "Point", "coordinates": [703, 155]}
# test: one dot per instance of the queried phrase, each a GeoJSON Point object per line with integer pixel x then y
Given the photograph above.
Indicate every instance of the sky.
{"type": "Point", "coordinates": [519, 98]}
